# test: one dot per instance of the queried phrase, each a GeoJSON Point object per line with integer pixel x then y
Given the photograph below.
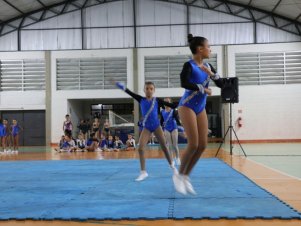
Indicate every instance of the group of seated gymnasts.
{"type": "Point", "coordinates": [93, 144]}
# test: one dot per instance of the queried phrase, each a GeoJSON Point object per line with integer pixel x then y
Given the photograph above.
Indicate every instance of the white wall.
{"type": "Point", "coordinates": [59, 100]}
{"type": "Point", "coordinates": [268, 111]}
{"type": "Point", "coordinates": [9, 42]}
{"type": "Point", "coordinates": [22, 100]}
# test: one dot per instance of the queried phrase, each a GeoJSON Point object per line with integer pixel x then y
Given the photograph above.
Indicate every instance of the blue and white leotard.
{"type": "Point", "coordinates": [2, 134]}
{"type": "Point", "coordinates": [170, 120]}
{"type": "Point", "coordinates": [15, 129]}
{"type": "Point", "coordinates": [195, 80]}
{"type": "Point", "coordinates": [150, 110]}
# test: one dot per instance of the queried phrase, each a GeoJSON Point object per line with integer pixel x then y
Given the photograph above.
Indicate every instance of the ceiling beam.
{"type": "Point", "coordinates": [276, 6]}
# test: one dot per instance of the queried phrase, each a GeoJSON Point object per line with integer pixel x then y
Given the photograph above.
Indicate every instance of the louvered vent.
{"type": "Point", "coordinates": [90, 73]}
{"type": "Point", "coordinates": [22, 75]}
{"type": "Point", "coordinates": [165, 71]}
{"type": "Point", "coordinates": [268, 68]}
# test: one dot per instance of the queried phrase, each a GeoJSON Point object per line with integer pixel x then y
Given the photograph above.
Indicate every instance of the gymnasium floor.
{"type": "Point", "coordinates": [275, 167]}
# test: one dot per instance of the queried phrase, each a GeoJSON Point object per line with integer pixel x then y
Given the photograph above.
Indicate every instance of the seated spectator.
{"type": "Point", "coordinates": [68, 145]}
{"type": "Point", "coordinates": [110, 144]}
{"type": "Point", "coordinates": [118, 144]}
{"type": "Point", "coordinates": [130, 143]}
{"type": "Point", "coordinates": [61, 143]}
{"type": "Point", "coordinates": [81, 143]}
{"type": "Point", "coordinates": [103, 144]}
{"type": "Point", "coordinates": [92, 143]}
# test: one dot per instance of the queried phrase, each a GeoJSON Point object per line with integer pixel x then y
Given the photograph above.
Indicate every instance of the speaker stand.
{"type": "Point", "coordinates": [230, 129]}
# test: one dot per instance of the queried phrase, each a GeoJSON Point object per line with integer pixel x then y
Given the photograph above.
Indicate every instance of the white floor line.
{"type": "Point", "coordinates": [278, 171]}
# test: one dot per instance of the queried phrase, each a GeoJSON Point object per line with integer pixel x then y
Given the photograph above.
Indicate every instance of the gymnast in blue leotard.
{"type": "Point", "coordinates": [195, 78]}
{"type": "Point", "coordinates": [170, 121]}
{"type": "Point", "coordinates": [15, 130]}
{"type": "Point", "coordinates": [2, 132]}
{"type": "Point", "coordinates": [6, 136]}
{"type": "Point", "coordinates": [149, 106]}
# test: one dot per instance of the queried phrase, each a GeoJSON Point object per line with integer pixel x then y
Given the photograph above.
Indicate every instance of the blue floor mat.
{"type": "Point", "coordinates": [93, 189]}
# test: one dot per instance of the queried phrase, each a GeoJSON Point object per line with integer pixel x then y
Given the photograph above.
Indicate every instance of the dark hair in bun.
{"type": "Point", "coordinates": [195, 42]}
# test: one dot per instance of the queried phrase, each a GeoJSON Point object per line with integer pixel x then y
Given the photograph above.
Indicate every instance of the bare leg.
{"type": "Point", "coordinates": [160, 136]}
{"type": "Point", "coordinates": [16, 142]}
{"type": "Point", "coordinates": [168, 142]}
{"type": "Point", "coordinates": [174, 141]}
{"type": "Point", "coordinates": [144, 137]}
{"type": "Point", "coordinates": [189, 121]}
{"type": "Point", "coordinates": [8, 139]}
{"type": "Point", "coordinates": [202, 124]}
{"type": "Point", "coordinates": [95, 145]}
{"type": "Point", "coordinates": [92, 147]}
{"type": "Point", "coordinates": [4, 143]}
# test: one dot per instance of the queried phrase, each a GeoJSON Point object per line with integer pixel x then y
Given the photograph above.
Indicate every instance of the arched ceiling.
{"type": "Point", "coordinates": [282, 14]}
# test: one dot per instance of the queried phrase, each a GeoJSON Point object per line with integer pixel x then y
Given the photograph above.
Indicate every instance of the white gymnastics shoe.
{"type": "Point", "coordinates": [188, 185]}
{"type": "Point", "coordinates": [173, 167]}
{"type": "Point", "coordinates": [178, 161]}
{"type": "Point", "coordinates": [143, 175]}
{"type": "Point", "coordinates": [179, 183]}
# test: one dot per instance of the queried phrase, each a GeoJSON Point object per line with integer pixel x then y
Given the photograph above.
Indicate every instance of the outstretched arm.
{"type": "Point", "coordinates": [132, 94]}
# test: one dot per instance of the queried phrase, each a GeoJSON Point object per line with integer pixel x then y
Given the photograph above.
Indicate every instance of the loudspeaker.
{"type": "Point", "coordinates": [230, 90]}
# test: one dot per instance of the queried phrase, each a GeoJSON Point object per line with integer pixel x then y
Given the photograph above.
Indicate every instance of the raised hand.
{"type": "Point", "coordinates": [208, 91]}
{"type": "Point", "coordinates": [120, 86]}
{"type": "Point", "coordinates": [207, 70]}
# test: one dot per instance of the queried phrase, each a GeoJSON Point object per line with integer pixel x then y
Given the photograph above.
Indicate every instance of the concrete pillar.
{"type": "Point", "coordinates": [48, 96]}
{"type": "Point", "coordinates": [136, 87]}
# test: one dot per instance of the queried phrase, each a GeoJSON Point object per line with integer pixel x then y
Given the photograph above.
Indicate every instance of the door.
{"type": "Point", "coordinates": [33, 124]}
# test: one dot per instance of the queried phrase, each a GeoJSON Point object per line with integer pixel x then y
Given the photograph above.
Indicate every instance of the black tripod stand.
{"type": "Point", "coordinates": [230, 128]}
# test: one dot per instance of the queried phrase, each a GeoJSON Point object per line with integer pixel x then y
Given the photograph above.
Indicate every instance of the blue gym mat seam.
{"type": "Point", "coordinates": [171, 206]}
